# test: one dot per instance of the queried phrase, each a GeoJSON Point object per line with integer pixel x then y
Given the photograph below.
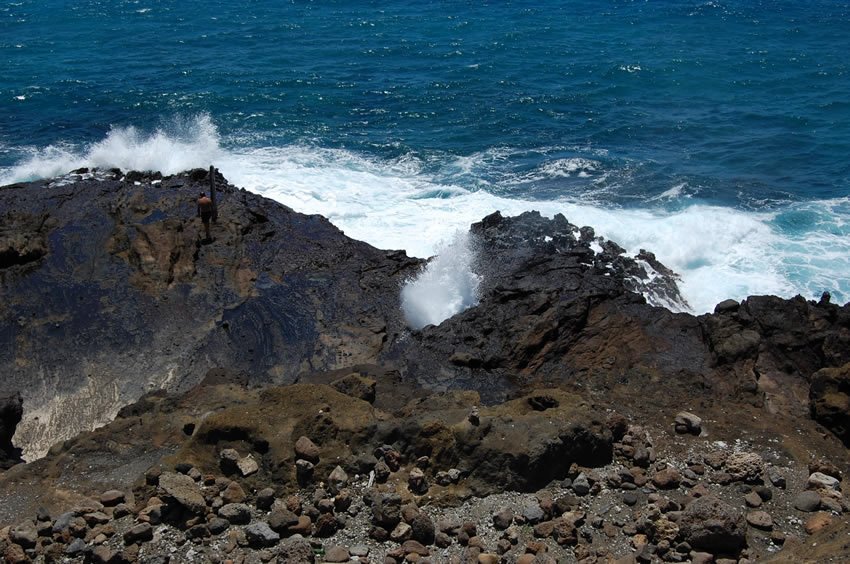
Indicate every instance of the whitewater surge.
{"type": "Point", "coordinates": [179, 145]}
{"type": "Point", "coordinates": [446, 286]}
{"type": "Point", "coordinates": [720, 252]}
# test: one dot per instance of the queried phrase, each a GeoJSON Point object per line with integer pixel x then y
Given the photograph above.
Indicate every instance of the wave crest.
{"type": "Point", "coordinates": [182, 144]}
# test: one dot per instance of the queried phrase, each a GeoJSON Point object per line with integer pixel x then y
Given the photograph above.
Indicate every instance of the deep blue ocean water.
{"type": "Point", "coordinates": [716, 134]}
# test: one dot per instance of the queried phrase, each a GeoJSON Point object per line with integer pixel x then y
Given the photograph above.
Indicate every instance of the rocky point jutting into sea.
{"type": "Point", "coordinates": [260, 397]}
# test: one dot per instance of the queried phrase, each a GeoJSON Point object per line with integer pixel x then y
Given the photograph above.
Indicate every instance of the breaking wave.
{"type": "Point", "coordinates": [409, 203]}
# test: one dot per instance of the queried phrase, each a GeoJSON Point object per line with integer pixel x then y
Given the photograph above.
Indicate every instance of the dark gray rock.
{"type": "Point", "coordinates": [235, 513]}
{"type": "Point", "coordinates": [259, 534]}
{"type": "Point", "coordinates": [807, 501]}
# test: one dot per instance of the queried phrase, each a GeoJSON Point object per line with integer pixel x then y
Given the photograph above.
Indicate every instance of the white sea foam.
{"type": "Point", "coordinates": [445, 287]}
{"type": "Point", "coordinates": [719, 252]}
{"type": "Point", "coordinates": [180, 145]}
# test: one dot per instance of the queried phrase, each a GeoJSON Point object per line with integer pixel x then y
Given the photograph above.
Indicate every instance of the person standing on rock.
{"type": "Point", "coordinates": [205, 212]}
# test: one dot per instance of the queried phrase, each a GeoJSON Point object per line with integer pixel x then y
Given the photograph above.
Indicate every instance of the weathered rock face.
{"type": "Point", "coordinates": [11, 410]}
{"type": "Point", "coordinates": [113, 274]}
{"type": "Point", "coordinates": [116, 278]}
{"type": "Point", "coordinates": [829, 398]}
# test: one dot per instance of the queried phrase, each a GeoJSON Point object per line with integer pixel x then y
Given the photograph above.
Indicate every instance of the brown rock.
{"type": "Point", "coordinates": [233, 493]}
{"type": "Point", "coordinates": [817, 522]}
{"type": "Point", "coordinates": [306, 449]}
{"type": "Point", "coordinates": [760, 520]}
{"type": "Point", "coordinates": [710, 524]}
{"type": "Point", "coordinates": [112, 498]}
{"type": "Point", "coordinates": [304, 527]}
{"type": "Point", "coordinates": [753, 499]}
{"type": "Point", "coordinates": [666, 479]}
{"type": "Point", "coordinates": [414, 547]}
{"type": "Point", "coordinates": [337, 553]}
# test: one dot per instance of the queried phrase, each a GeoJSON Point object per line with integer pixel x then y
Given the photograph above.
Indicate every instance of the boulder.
{"type": "Point", "coordinates": [745, 466]}
{"type": "Point", "coordinates": [710, 524]}
{"type": "Point", "coordinates": [184, 491]}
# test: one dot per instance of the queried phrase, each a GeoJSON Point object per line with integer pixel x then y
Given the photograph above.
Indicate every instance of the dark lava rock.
{"type": "Point", "coordinates": [11, 411]}
{"type": "Point", "coordinates": [130, 254]}
{"type": "Point", "coordinates": [259, 534]}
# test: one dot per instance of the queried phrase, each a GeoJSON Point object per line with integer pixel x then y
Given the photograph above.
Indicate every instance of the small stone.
{"type": "Point", "coordinates": [112, 498]}
{"type": "Point", "coordinates": [140, 533]}
{"type": "Point", "coordinates": [414, 547]}
{"type": "Point", "coordinates": [760, 520]}
{"type": "Point", "coordinates": [817, 522]}
{"type": "Point", "coordinates": [326, 525]}
{"type": "Point", "coordinates": [503, 519]}
{"type": "Point", "coordinates": [764, 492]}
{"type": "Point", "coordinates": [630, 498]}
{"type": "Point", "coordinates": [581, 485]}
{"type": "Point", "coordinates": [818, 481]}
{"type": "Point", "coordinates": [382, 472]}
{"type": "Point", "coordinates": [304, 471]}
{"type": "Point", "coordinates": [686, 422]}
{"type": "Point", "coordinates": [265, 499]}
{"type": "Point", "coordinates": [745, 466]}
{"type": "Point", "coordinates": [199, 531]}
{"type": "Point", "coordinates": [281, 519]}
{"type": "Point", "coordinates": [422, 528]}
{"type": "Point", "coordinates": [416, 482]}
{"type": "Point", "coordinates": [233, 493]}
{"type": "Point", "coordinates": [218, 525]}
{"type": "Point", "coordinates": [337, 480]}
{"type": "Point", "coordinates": [236, 513]}
{"type": "Point", "coordinates": [24, 534]}
{"type": "Point", "coordinates": [247, 466]}
{"type": "Point", "coordinates": [807, 501]}
{"type": "Point", "coordinates": [303, 527]}
{"type": "Point", "coordinates": [825, 467]}
{"type": "Point", "coordinates": [401, 532]}
{"type": "Point", "coordinates": [753, 499]}
{"type": "Point", "coordinates": [359, 550]}
{"type": "Point", "coordinates": [442, 540]}
{"type": "Point", "coordinates": [228, 460]}
{"type": "Point", "coordinates": [667, 479]}
{"type": "Point", "coordinates": [307, 450]}
{"type": "Point", "coordinates": [336, 553]}
{"type": "Point", "coordinates": [532, 513]}
{"type": "Point", "coordinates": [76, 547]}
{"type": "Point", "coordinates": [776, 477]}
{"type": "Point", "coordinates": [259, 534]}
{"type": "Point", "coordinates": [184, 490]}
{"type": "Point", "coordinates": [701, 557]}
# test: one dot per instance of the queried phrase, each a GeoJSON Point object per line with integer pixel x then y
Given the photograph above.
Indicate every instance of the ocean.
{"type": "Point", "coordinates": [715, 134]}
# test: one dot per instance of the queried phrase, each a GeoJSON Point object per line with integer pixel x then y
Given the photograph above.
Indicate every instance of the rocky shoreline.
{"type": "Point", "coordinates": [259, 398]}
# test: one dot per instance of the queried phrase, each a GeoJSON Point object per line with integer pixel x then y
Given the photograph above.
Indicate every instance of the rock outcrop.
{"type": "Point", "coordinates": [264, 385]}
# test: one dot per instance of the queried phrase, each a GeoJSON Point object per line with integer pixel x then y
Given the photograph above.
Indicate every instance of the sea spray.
{"type": "Point", "coordinates": [446, 286]}
{"type": "Point", "coordinates": [179, 144]}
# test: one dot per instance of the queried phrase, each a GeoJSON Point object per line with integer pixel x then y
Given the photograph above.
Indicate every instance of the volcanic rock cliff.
{"type": "Point", "coordinates": [201, 354]}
